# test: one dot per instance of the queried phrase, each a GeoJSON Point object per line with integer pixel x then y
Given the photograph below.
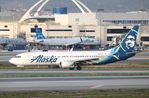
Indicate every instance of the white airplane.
{"type": "Point", "coordinates": [74, 59]}
{"type": "Point", "coordinates": [40, 38]}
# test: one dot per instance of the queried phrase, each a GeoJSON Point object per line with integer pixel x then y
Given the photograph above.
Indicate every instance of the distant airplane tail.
{"type": "Point", "coordinates": [125, 49]}
{"type": "Point", "coordinates": [39, 34]}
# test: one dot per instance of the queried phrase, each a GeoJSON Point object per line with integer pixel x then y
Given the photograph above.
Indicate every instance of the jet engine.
{"type": "Point", "coordinates": [65, 64]}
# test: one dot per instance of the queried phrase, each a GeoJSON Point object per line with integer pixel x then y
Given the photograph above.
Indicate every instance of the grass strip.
{"type": "Point", "coordinates": [118, 93]}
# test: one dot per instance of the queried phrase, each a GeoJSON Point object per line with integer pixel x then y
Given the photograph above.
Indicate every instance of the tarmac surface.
{"type": "Point", "coordinates": [67, 71]}
{"type": "Point", "coordinates": [73, 83]}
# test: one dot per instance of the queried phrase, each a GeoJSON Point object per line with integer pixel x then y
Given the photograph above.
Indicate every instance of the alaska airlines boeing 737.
{"type": "Point", "coordinates": [74, 59]}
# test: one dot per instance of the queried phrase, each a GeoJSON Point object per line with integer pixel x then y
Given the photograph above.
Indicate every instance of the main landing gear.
{"type": "Point", "coordinates": [76, 67]}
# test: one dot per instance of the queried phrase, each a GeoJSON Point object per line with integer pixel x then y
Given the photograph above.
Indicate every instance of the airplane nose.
{"type": "Point", "coordinates": [11, 61]}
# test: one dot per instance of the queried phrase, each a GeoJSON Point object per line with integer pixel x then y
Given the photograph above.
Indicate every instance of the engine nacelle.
{"type": "Point", "coordinates": [66, 64]}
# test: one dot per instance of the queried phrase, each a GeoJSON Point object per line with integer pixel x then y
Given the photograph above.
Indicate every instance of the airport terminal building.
{"type": "Point", "coordinates": [104, 26]}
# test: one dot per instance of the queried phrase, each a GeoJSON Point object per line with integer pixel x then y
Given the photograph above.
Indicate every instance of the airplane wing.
{"type": "Point", "coordinates": [85, 61]}
{"type": "Point", "coordinates": [72, 63]}
{"type": "Point", "coordinates": [90, 61]}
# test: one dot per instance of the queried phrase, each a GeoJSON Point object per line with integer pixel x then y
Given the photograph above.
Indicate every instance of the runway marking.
{"type": "Point", "coordinates": [96, 86]}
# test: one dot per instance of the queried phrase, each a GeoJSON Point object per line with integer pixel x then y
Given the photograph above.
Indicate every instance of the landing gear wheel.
{"type": "Point", "coordinates": [78, 67]}
{"type": "Point", "coordinates": [71, 68]}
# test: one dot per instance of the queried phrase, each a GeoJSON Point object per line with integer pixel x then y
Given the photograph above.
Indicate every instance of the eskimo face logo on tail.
{"type": "Point", "coordinates": [130, 42]}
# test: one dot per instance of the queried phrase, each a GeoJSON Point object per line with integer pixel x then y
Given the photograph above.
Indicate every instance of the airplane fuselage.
{"type": "Point", "coordinates": [58, 57]}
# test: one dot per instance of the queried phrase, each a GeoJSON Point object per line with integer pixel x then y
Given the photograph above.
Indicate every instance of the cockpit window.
{"type": "Point", "coordinates": [17, 56]}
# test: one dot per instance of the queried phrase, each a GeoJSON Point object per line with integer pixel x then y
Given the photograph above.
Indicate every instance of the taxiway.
{"type": "Point", "coordinates": [73, 83]}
